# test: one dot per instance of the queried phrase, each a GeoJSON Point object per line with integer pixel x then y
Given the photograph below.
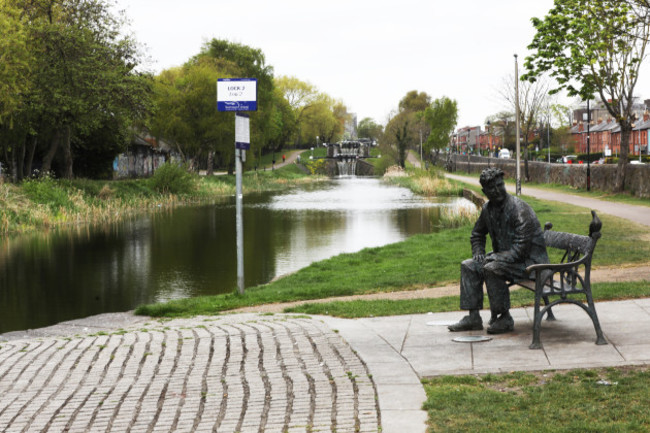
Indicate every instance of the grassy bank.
{"type": "Point", "coordinates": [421, 261]}
{"type": "Point", "coordinates": [518, 298]}
{"type": "Point", "coordinates": [427, 183]}
{"type": "Point", "coordinates": [604, 400]}
{"type": "Point", "coordinates": [44, 203]}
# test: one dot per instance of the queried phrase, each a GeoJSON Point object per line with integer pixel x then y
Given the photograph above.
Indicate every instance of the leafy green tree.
{"type": "Point", "coordinates": [16, 59]}
{"type": "Point", "coordinates": [414, 101]}
{"type": "Point", "coordinates": [368, 128]}
{"type": "Point", "coordinates": [316, 114]}
{"type": "Point", "coordinates": [407, 127]}
{"type": "Point", "coordinates": [283, 123]}
{"type": "Point", "coordinates": [301, 96]}
{"type": "Point", "coordinates": [594, 48]}
{"type": "Point", "coordinates": [442, 117]}
{"type": "Point", "coordinates": [186, 112]}
{"type": "Point", "coordinates": [15, 84]}
{"type": "Point", "coordinates": [324, 118]}
{"type": "Point", "coordinates": [82, 75]}
{"type": "Point", "coordinates": [242, 61]}
{"type": "Point", "coordinates": [398, 136]}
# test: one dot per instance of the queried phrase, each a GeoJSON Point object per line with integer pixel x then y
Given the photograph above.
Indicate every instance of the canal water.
{"type": "Point", "coordinates": [191, 251]}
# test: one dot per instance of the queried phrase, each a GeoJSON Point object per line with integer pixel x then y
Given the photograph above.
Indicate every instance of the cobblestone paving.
{"type": "Point", "coordinates": [239, 373]}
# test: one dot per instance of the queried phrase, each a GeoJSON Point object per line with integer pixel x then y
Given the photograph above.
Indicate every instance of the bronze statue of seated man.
{"type": "Point", "coordinates": [517, 242]}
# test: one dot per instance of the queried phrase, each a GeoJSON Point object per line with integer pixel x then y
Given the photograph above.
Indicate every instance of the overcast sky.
{"type": "Point", "coordinates": [368, 54]}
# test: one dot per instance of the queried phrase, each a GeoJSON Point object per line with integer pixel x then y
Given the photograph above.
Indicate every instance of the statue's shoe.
{"type": "Point", "coordinates": [466, 324]}
{"type": "Point", "coordinates": [502, 325]}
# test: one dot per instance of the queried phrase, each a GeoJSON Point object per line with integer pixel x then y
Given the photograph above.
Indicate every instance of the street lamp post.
{"type": "Point", "coordinates": [489, 146]}
{"type": "Point", "coordinates": [518, 180]}
{"type": "Point", "coordinates": [588, 147]}
{"type": "Point", "coordinates": [548, 137]}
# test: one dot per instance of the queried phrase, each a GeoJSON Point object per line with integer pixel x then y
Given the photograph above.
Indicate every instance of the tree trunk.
{"type": "Point", "coordinates": [619, 181]}
{"type": "Point", "coordinates": [49, 156]}
{"type": "Point", "coordinates": [210, 168]}
{"type": "Point", "coordinates": [21, 160]}
{"type": "Point", "coordinates": [30, 156]}
{"type": "Point", "coordinates": [67, 154]}
{"type": "Point", "coordinates": [13, 166]}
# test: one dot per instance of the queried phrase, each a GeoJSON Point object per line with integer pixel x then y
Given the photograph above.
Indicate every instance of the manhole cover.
{"type": "Point", "coordinates": [472, 339]}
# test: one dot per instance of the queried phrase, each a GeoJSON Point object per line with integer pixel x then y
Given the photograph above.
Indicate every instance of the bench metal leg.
{"type": "Point", "coordinates": [600, 339]}
{"type": "Point", "coordinates": [549, 315]}
{"type": "Point", "coordinates": [537, 324]}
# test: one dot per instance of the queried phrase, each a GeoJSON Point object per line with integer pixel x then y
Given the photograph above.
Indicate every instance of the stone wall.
{"type": "Point", "coordinates": [475, 198]}
{"type": "Point", "coordinates": [637, 178]}
{"type": "Point", "coordinates": [363, 168]}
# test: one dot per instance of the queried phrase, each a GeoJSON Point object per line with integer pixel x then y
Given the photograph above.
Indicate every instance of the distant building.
{"type": "Point", "coordinates": [604, 132]}
{"type": "Point", "coordinates": [143, 156]}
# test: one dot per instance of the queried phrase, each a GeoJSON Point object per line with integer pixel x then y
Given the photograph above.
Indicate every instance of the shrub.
{"type": "Point", "coordinates": [45, 190]}
{"type": "Point", "coordinates": [106, 192]}
{"type": "Point", "coordinates": [171, 178]}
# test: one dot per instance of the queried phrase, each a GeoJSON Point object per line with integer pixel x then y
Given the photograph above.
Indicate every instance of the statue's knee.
{"type": "Point", "coordinates": [468, 265]}
{"type": "Point", "coordinates": [492, 269]}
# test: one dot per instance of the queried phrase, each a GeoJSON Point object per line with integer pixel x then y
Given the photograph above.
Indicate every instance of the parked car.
{"type": "Point", "coordinates": [570, 159]}
{"type": "Point", "coordinates": [636, 161]}
{"type": "Point", "coordinates": [504, 154]}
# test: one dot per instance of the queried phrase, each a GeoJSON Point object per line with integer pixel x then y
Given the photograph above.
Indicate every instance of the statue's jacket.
{"type": "Point", "coordinates": [514, 230]}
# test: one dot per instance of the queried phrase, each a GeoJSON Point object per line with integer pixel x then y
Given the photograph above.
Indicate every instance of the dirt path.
{"type": "Point", "coordinates": [600, 275]}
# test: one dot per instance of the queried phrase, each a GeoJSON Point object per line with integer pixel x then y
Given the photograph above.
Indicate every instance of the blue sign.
{"type": "Point", "coordinates": [237, 94]}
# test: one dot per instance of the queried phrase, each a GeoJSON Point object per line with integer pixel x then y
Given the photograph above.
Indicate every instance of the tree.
{"type": "Point", "coordinates": [316, 113]}
{"type": "Point", "coordinates": [324, 118]}
{"type": "Point", "coordinates": [399, 129]}
{"type": "Point", "coordinates": [533, 99]}
{"type": "Point", "coordinates": [368, 128]}
{"type": "Point", "coordinates": [503, 124]}
{"type": "Point", "coordinates": [442, 117]}
{"type": "Point", "coordinates": [408, 124]}
{"type": "Point", "coordinates": [82, 75]}
{"type": "Point", "coordinates": [594, 48]}
{"type": "Point", "coordinates": [414, 101]}
{"type": "Point", "coordinates": [16, 59]}
{"type": "Point", "coordinates": [186, 113]}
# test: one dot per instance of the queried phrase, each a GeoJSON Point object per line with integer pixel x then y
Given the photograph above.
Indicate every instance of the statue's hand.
{"type": "Point", "coordinates": [479, 258]}
{"type": "Point", "coordinates": [499, 257]}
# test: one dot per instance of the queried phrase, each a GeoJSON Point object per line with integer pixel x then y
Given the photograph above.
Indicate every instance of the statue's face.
{"type": "Point", "coordinates": [495, 190]}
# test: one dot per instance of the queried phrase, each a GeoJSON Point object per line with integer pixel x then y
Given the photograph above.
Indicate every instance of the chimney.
{"type": "Point", "coordinates": [646, 116]}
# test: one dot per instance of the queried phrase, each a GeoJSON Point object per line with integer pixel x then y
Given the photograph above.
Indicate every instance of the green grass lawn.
{"type": "Point", "coordinates": [427, 260]}
{"type": "Point", "coordinates": [604, 400]}
{"type": "Point", "coordinates": [518, 298]}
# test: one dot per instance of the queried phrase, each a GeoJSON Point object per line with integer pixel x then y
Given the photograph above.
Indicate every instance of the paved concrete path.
{"type": "Point", "coordinates": [637, 214]}
{"type": "Point", "coordinates": [236, 373]}
{"type": "Point", "coordinates": [277, 373]}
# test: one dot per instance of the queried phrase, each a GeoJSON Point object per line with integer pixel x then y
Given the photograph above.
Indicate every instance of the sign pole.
{"type": "Point", "coordinates": [239, 94]}
{"type": "Point", "coordinates": [239, 221]}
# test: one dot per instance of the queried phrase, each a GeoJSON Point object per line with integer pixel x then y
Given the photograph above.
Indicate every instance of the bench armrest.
{"type": "Point", "coordinates": [555, 267]}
